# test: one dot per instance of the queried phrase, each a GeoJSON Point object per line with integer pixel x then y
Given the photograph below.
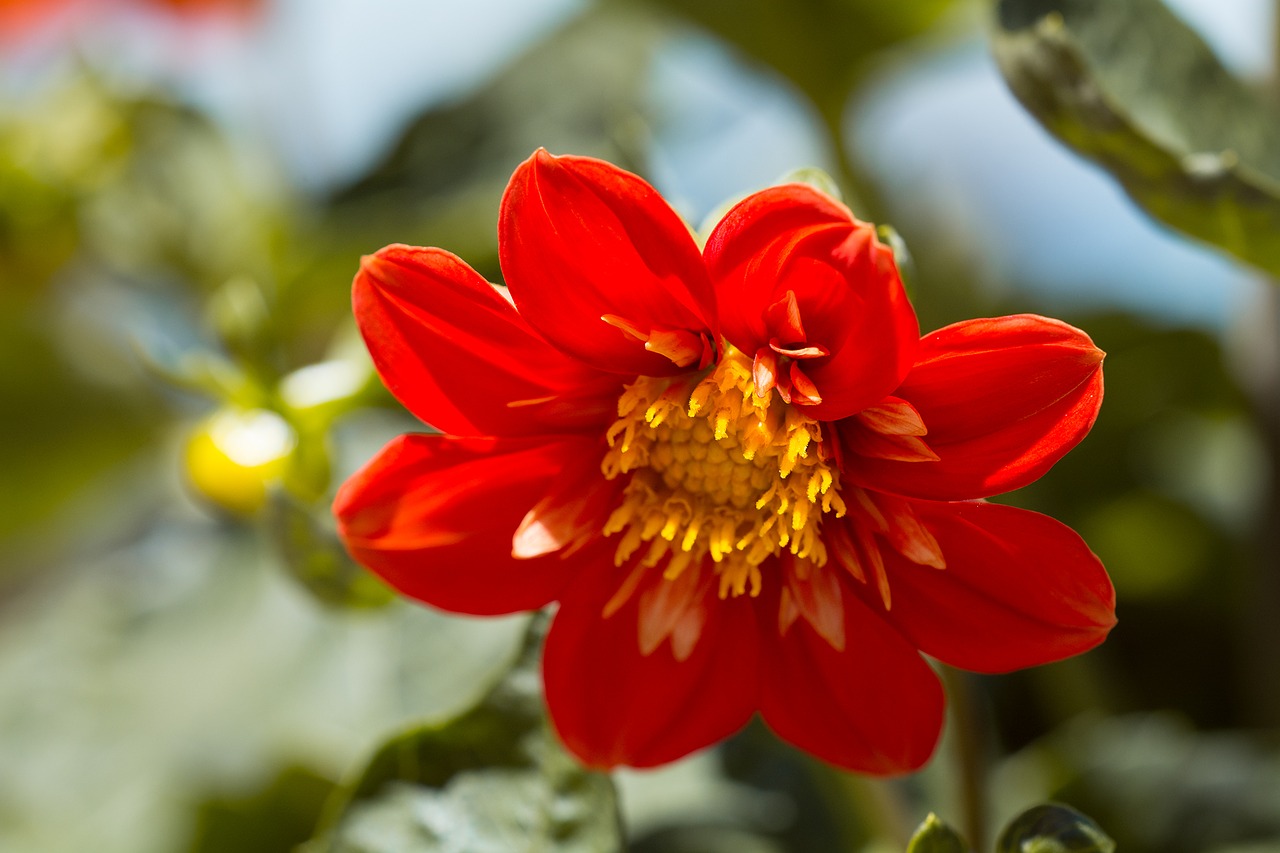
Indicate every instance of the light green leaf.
{"type": "Point", "coordinates": [494, 778]}
{"type": "Point", "coordinates": [814, 177]}
{"type": "Point", "coordinates": [1053, 829]}
{"type": "Point", "coordinates": [935, 836]}
{"type": "Point", "coordinates": [1128, 85]}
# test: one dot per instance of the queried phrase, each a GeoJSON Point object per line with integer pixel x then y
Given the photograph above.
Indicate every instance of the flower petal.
{"type": "Point", "coordinates": [579, 240]}
{"type": "Point", "coordinates": [434, 516]}
{"type": "Point", "coordinates": [1020, 589]}
{"type": "Point", "coordinates": [459, 356]}
{"type": "Point", "coordinates": [612, 704]}
{"type": "Point", "coordinates": [1003, 400]}
{"type": "Point", "coordinates": [847, 292]}
{"type": "Point", "coordinates": [875, 707]}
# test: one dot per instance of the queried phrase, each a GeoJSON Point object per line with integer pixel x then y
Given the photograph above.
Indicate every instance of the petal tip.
{"type": "Point", "coordinates": [382, 266]}
{"type": "Point", "coordinates": [541, 160]}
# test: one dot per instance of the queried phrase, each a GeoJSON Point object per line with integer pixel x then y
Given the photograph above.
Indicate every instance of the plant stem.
{"type": "Point", "coordinates": [860, 195]}
{"type": "Point", "coordinates": [878, 811]}
{"type": "Point", "coordinates": [968, 737]}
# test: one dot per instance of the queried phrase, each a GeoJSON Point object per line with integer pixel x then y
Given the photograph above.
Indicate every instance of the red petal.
{"type": "Point", "coordinates": [1003, 400]}
{"type": "Point", "coordinates": [459, 356]}
{"type": "Point", "coordinates": [434, 516]}
{"type": "Point", "coordinates": [1020, 589]}
{"type": "Point", "coordinates": [580, 239]}
{"type": "Point", "coordinates": [671, 605]}
{"type": "Point", "coordinates": [875, 708]}
{"type": "Point", "coordinates": [569, 515]}
{"type": "Point", "coordinates": [848, 294]}
{"type": "Point", "coordinates": [614, 705]}
{"type": "Point", "coordinates": [819, 598]}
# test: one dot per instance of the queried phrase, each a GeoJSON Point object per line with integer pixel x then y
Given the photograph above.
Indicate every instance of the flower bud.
{"type": "Point", "coordinates": [235, 455]}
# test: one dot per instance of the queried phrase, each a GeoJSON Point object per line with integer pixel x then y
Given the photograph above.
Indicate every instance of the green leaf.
{"type": "Point", "coordinates": [935, 836]}
{"type": "Point", "coordinates": [822, 46]}
{"type": "Point", "coordinates": [814, 177]}
{"type": "Point", "coordinates": [1131, 87]}
{"type": "Point", "coordinates": [494, 778]}
{"type": "Point", "coordinates": [275, 817]}
{"type": "Point", "coordinates": [1053, 829]}
{"type": "Point", "coordinates": [310, 551]}
{"type": "Point", "coordinates": [61, 435]}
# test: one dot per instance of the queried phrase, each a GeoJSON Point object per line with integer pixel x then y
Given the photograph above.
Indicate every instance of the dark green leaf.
{"type": "Point", "coordinates": [935, 836]}
{"type": "Point", "coordinates": [1130, 86]}
{"type": "Point", "coordinates": [704, 839]}
{"type": "Point", "coordinates": [274, 818]}
{"type": "Point", "coordinates": [494, 778]}
{"type": "Point", "coordinates": [1053, 829]}
{"type": "Point", "coordinates": [822, 46]}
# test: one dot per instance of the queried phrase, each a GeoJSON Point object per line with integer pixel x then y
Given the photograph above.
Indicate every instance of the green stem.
{"type": "Point", "coordinates": [860, 195]}
{"type": "Point", "coordinates": [969, 743]}
{"type": "Point", "coordinates": [878, 811]}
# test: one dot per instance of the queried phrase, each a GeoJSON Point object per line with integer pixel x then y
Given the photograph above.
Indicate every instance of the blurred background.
{"type": "Point", "coordinates": [188, 662]}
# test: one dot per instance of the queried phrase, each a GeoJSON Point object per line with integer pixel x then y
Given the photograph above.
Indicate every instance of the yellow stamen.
{"type": "Point", "coordinates": [719, 471]}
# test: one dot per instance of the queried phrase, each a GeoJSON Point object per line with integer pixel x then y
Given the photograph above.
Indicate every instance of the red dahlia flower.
{"type": "Point", "coordinates": [747, 480]}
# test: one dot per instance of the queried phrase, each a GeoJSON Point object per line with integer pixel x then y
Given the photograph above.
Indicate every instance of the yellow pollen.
{"type": "Point", "coordinates": [718, 471]}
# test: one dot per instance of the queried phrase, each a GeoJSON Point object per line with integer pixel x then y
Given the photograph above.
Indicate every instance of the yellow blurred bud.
{"type": "Point", "coordinates": [235, 455]}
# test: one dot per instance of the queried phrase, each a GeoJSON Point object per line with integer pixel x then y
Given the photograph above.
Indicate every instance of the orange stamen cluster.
{"type": "Point", "coordinates": [719, 470]}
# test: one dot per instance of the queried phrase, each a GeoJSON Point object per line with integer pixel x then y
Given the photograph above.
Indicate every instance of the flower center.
{"type": "Point", "coordinates": [719, 470]}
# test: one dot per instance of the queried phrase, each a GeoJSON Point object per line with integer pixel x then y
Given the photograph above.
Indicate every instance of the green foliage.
{"type": "Point", "coordinates": [1142, 487]}
{"type": "Point", "coordinates": [935, 836]}
{"type": "Point", "coordinates": [1156, 783]}
{"type": "Point", "coordinates": [495, 776]}
{"type": "Point", "coordinates": [272, 819]}
{"type": "Point", "coordinates": [1131, 87]}
{"type": "Point", "coordinates": [578, 91]}
{"type": "Point", "coordinates": [822, 46]}
{"type": "Point", "coordinates": [1049, 828]}
{"type": "Point", "coordinates": [312, 554]}
{"type": "Point", "coordinates": [59, 408]}
{"type": "Point", "coordinates": [154, 662]}
{"type": "Point", "coordinates": [1053, 829]}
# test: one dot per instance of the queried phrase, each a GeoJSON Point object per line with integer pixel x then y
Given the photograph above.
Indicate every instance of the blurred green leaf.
{"type": "Point", "coordinates": [1131, 87]}
{"type": "Point", "coordinates": [315, 558]}
{"type": "Point", "coordinates": [494, 778]}
{"type": "Point", "coordinates": [273, 819]}
{"type": "Point", "coordinates": [38, 231]}
{"type": "Point", "coordinates": [705, 839]}
{"type": "Point", "coordinates": [170, 660]}
{"type": "Point", "coordinates": [239, 312]}
{"type": "Point", "coordinates": [1152, 547]}
{"type": "Point", "coordinates": [61, 432]}
{"type": "Point", "coordinates": [1157, 784]}
{"type": "Point", "coordinates": [1053, 829]}
{"type": "Point", "coordinates": [176, 185]}
{"type": "Point", "coordinates": [581, 91]}
{"type": "Point", "coordinates": [935, 836]}
{"type": "Point", "coordinates": [822, 46]}
{"type": "Point", "coordinates": [813, 176]}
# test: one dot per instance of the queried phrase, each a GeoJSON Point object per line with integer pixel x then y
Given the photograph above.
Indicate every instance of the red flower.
{"type": "Point", "coordinates": [746, 479]}
{"type": "Point", "coordinates": [20, 17]}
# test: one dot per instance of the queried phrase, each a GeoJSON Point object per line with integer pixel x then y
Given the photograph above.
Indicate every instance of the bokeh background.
{"type": "Point", "coordinates": [188, 662]}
